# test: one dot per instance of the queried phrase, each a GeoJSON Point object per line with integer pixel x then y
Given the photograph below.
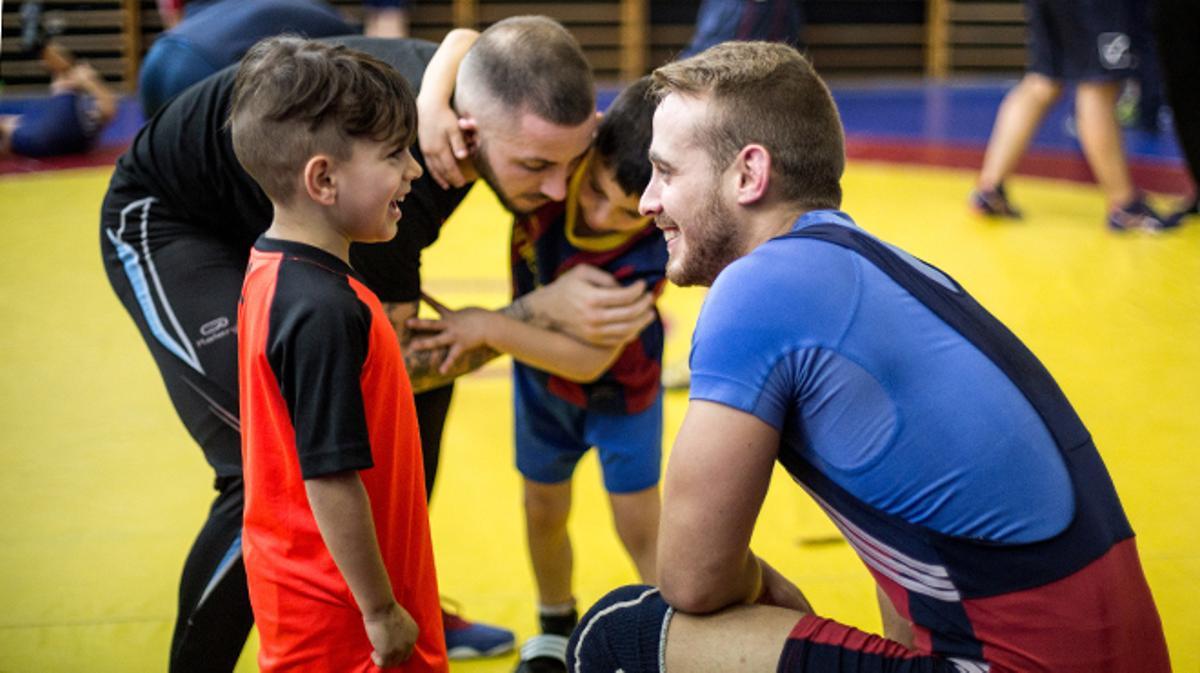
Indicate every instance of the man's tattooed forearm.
{"type": "Point", "coordinates": [423, 366]}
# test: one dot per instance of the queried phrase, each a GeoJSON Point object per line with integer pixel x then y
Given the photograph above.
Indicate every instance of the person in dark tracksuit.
{"type": "Point", "coordinates": [177, 226]}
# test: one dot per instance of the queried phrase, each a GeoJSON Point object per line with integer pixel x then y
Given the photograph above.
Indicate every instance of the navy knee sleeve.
{"type": "Point", "coordinates": [626, 630]}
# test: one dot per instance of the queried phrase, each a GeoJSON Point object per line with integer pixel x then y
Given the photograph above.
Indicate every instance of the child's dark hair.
{"type": "Point", "coordinates": [294, 98]}
{"type": "Point", "coordinates": [623, 140]}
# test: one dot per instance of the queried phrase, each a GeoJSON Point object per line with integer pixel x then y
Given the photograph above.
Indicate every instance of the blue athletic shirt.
{"type": "Point", "coordinates": [877, 392]}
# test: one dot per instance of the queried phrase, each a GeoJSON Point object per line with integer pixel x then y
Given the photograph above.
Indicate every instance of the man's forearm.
{"type": "Point", "coordinates": [423, 366]}
{"type": "Point", "coordinates": [525, 309]}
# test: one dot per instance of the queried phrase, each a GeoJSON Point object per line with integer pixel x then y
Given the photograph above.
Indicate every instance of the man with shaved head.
{"type": "Point", "coordinates": [181, 215]}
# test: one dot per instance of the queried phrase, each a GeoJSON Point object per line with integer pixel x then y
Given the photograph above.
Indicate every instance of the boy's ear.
{"type": "Point", "coordinates": [319, 180]}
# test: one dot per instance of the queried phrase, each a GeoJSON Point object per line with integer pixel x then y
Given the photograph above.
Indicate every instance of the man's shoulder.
{"type": "Point", "coordinates": [783, 280]}
{"type": "Point", "coordinates": [786, 263]}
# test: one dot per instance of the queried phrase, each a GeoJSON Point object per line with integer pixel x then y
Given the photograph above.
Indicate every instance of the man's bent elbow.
{"type": "Point", "coordinates": [689, 594]}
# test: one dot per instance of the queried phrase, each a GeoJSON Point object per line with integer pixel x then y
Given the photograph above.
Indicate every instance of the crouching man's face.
{"type": "Point", "coordinates": [527, 161]}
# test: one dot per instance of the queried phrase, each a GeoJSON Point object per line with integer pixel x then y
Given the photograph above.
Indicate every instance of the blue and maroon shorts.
{"type": "Point", "coordinates": [818, 644]}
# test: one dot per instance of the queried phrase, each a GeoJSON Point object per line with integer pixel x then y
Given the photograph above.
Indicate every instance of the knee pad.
{"type": "Point", "coordinates": [624, 631]}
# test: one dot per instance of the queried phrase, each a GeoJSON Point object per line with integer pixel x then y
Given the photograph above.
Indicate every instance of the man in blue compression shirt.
{"type": "Point", "coordinates": [935, 441]}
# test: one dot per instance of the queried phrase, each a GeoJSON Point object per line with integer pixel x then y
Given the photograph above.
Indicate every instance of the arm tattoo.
{"type": "Point", "coordinates": [423, 366]}
{"type": "Point", "coordinates": [519, 310]}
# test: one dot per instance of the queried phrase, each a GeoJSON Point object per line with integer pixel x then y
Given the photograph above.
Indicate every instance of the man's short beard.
{"type": "Point", "coordinates": [483, 166]}
{"type": "Point", "coordinates": [712, 245]}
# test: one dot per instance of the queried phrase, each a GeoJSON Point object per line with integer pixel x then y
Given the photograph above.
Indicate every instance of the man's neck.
{"type": "Point", "coordinates": [771, 222]}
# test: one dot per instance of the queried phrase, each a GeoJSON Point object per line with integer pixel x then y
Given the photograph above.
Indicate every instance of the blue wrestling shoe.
{"type": "Point", "coordinates": [470, 640]}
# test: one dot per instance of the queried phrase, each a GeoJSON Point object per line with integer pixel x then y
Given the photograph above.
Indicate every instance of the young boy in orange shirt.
{"type": "Point", "coordinates": [336, 531]}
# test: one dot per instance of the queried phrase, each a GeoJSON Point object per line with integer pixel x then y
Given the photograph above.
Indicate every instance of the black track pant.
{"type": "Point", "coordinates": [181, 288]}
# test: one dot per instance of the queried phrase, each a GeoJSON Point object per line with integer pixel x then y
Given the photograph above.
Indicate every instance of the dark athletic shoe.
{"type": "Point", "coordinates": [993, 203]}
{"type": "Point", "coordinates": [546, 653]}
{"type": "Point", "coordinates": [1137, 216]}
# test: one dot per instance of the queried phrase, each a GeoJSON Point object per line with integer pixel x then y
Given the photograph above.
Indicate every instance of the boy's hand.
{"type": "Point", "coordinates": [393, 634]}
{"type": "Point", "coordinates": [443, 142]}
{"type": "Point", "coordinates": [590, 305]}
{"type": "Point", "coordinates": [459, 331]}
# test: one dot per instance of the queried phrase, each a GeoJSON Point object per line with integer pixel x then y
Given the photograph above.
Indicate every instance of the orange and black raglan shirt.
{"type": "Point", "coordinates": [324, 390]}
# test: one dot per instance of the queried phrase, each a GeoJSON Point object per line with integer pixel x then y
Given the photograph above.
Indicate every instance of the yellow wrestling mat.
{"type": "Point", "coordinates": [102, 491]}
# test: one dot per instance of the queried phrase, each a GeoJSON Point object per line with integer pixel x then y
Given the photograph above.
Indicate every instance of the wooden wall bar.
{"type": "Point", "coordinates": [622, 38]}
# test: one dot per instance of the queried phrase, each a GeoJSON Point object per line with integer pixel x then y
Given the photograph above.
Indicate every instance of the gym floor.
{"type": "Point", "coordinates": [103, 490]}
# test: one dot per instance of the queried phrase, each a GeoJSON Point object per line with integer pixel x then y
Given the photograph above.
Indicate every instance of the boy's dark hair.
{"type": "Point", "coordinates": [623, 139]}
{"type": "Point", "coordinates": [295, 98]}
{"type": "Point", "coordinates": [530, 64]}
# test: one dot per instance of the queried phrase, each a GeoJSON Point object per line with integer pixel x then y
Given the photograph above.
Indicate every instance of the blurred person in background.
{"type": "Point", "coordinates": [769, 20]}
{"type": "Point", "coordinates": [1095, 46]}
{"type": "Point", "coordinates": [1177, 29]}
{"type": "Point", "coordinates": [386, 18]}
{"type": "Point", "coordinates": [205, 36]}
{"type": "Point", "coordinates": [80, 104]}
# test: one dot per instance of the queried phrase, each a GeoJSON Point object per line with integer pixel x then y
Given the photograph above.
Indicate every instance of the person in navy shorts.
{"type": "Point", "coordinates": [936, 442]}
{"type": "Point", "coordinates": [1095, 45]}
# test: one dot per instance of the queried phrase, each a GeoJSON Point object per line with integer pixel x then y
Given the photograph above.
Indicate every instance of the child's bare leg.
{"type": "Point", "coordinates": [1019, 116]}
{"type": "Point", "coordinates": [8, 124]}
{"type": "Point", "coordinates": [1100, 135]}
{"type": "Point", "coordinates": [546, 510]}
{"type": "Point", "coordinates": [635, 516]}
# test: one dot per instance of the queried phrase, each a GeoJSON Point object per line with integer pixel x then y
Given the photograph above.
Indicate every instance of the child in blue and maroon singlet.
{"type": "Point", "coordinates": [568, 396]}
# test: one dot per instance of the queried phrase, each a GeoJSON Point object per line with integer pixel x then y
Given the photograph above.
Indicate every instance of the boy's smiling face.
{"type": "Point", "coordinates": [604, 205]}
{"type": "Point", "coordinates": [374, 181]}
